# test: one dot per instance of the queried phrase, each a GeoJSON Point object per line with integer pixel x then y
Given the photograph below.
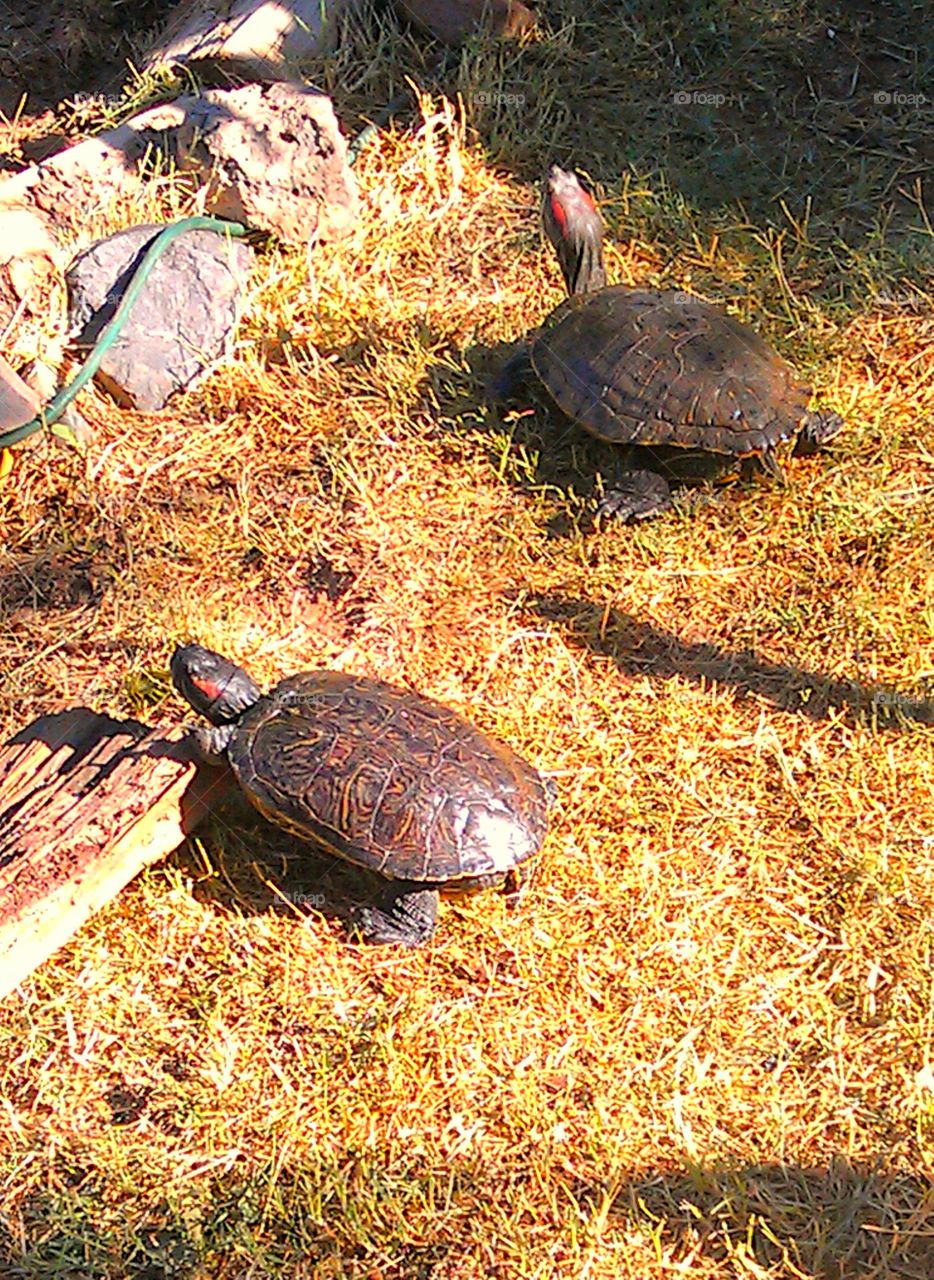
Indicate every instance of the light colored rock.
{"type": "Point", "coordinates": [30, 268]}
{"type": "Point", "coordinates": [70, 427]}
{"type": "Point", "coordinates": [32, 308]}
{"type": "Point", "coordinates": [272, 156]}
{"type": "Point", "coordinates": [255, 38]}
{"type": "Point", "coordinates": [64, 188]}
{"type": "Point", "coordinates": [18, 402]}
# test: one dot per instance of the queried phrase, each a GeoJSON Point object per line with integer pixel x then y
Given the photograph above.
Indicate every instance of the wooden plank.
{"type": "Point", "coordinates": [85, 803]}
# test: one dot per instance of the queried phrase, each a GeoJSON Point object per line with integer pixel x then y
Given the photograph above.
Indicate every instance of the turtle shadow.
{"type": "Point", "coordinates": [79, 728]}
{"type": "Point", "coordinates": [638, 648]}
{"type": "Point", "coordinates": [247, 866]}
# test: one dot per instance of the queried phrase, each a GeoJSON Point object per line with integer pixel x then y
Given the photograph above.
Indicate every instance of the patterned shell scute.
{"type": "Point", "coordinates": [388, 779]}
{"type": "Point", "coordinates": [659, 367]}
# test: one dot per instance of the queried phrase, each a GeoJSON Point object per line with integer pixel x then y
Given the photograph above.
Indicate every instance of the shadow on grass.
{"type": "Point", "coordinates": [832, 1223]}
{"type": "Point", "coordinates": [641, 648]}
{"type": "Point", "coordinates": [817, 106]}
{"type": "Point", "coordinates": [49, 51]}
{"type": "Point", "coordinates": [253, 868]}
{"type": "Point", "coordinates": [837, 1222]}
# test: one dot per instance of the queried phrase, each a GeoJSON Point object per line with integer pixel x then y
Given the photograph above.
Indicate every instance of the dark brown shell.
{"type": "Point", "coordinates": [388, 779]}
{"type": "Point", "coordinates": [655, 367]}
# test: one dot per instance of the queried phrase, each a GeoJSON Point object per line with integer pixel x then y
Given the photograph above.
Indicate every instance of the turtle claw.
{"type": "Point", "coordinates": [638, 496]}
{"type": "Point", "coordinates": [211, 743]}
{"type": "Point", "coordinates": [766, 462]}
{"type": "Point", "coordinates": [401, 916]}
{"type": "Point", "coordinates": [550, 788]}
{"type": "Point", "coordinates": [516, 887]}
{"type": "Point", "coordinates": [818, 430]}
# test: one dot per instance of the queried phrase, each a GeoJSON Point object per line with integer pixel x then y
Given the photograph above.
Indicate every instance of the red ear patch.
{"type": "Point", "coordinates": [577, 198]}
{"type": "Point", "coordinates": [210, 688]}
{"type": "Point", "coordinates": [560, 217]}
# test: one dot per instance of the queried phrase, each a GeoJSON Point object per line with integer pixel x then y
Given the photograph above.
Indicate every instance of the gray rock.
{"type": "Point", "coordinates": [181, 324]}
{"type": "Point", "coordinates": [272, 156]}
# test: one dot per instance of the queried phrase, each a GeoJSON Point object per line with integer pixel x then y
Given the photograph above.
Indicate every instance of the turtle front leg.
{"type": "Point", "coordinates": [513, 374]}
{"type": "Point", "coordinates": [765, 462]}
{"type": "Point", "coordinates": [403, 914]}
{"type": "Point", "coordinates": [212, 741]}
{"type": "Point", "coordinates": [637, 495]}
{"type": "Point", "coordinates": [516, 885]}
{"type": "Point", "coordinates": [550, 788]}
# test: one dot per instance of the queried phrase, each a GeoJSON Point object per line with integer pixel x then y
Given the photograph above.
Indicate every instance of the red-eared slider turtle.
{"type": "Point", "coordinates": [657, 367]}
{"type": "Point", "coordinates": [379, 776]}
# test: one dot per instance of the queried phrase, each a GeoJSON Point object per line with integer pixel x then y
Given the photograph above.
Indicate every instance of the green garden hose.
{"type": "Point", "coordinates": [62, 399]}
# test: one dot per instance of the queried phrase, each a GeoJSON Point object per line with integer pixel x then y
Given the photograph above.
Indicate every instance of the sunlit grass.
{"type": "Point", "coordinates": [701, 1046]}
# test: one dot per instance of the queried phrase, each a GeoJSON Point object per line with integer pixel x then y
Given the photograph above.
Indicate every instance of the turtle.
{"type": "Point", "coordinates": [656, 367]}
{"type": "Point", "coordinates": [377, 775]}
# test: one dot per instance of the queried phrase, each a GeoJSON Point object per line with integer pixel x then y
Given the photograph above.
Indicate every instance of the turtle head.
{"type": "Point", "coordinates": [212, 685]}
{"type": "Point", "coordinates": [575, 228]}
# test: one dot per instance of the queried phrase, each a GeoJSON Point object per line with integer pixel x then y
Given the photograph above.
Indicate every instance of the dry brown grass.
{"type": "Point", "coordinates": [703, 1044]}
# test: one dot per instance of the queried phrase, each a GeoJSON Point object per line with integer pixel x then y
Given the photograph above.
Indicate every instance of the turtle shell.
{"type": "Point", "coordinates": [388, 779]}
{"type": "Point", "coordinates": [659, 367]}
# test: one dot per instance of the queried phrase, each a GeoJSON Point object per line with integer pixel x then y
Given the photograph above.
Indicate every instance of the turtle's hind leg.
{"type": "Point", "coordinates": [818, 430]}
{"type": "Point", "coordinates": [402, 913]}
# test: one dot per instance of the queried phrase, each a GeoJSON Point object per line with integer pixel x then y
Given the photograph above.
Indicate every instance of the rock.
{"type": "Point", "coordinates": [30, 268]}
{"type": "Point", "coordinates": [274, 154]}
{"type": "Point", "coordinates": [182, 322]}
{"type": "Point", "coordinates": [270, 155]}
{"type": "Point", "coordinates": [32, 308]}
{"type": "Point", "coordinates": [61, 191]}
{"type": "Point", "coordinates": [21, 398]}
{"type": "Point", "coordinates": [253, 38]}
{"type": "Point", "coordinates": [18, 401]}
{"type": "Point", "coordinates": [451, 21]}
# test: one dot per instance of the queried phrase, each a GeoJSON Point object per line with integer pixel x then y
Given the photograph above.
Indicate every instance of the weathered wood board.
{"type": "Point", "coordinates": [85, 803]}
